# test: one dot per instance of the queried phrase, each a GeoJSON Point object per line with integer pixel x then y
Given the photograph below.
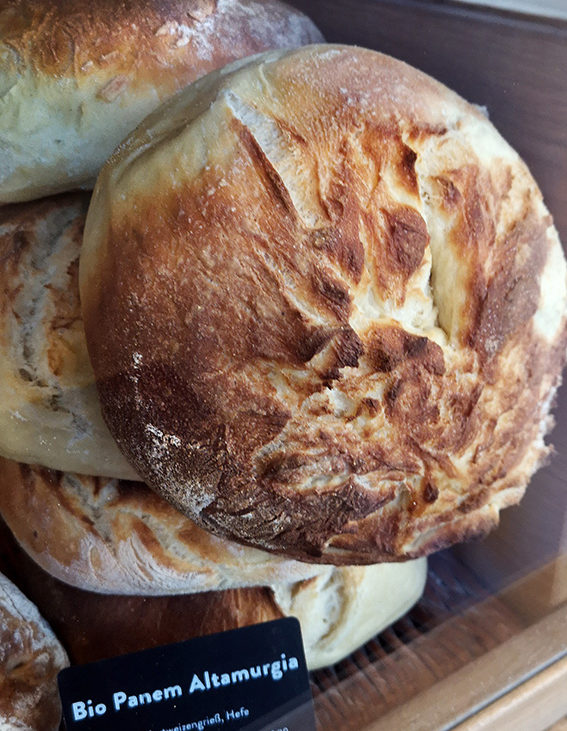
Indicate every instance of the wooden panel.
{"type": "Point", "coordinates": [533, 705]}
{"type": "Point", "coordinates": [534, 596]}
{"type": "Point", "coordinates": [550, 8]}
{"type": "Point", "coordinates": [456, 623]}
{"type": "Point", "coordinates": [489, 678]}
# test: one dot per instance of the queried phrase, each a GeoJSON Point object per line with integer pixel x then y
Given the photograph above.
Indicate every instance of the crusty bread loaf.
{"type": "Point", "coordinates": [76, 77]}
{"type": "Point", "coordinates": [338, 311]}
{"type": "Point", "coordinates": [338, 611]}
{"type": "Point", "coordinates": [343, 609]}
{"type": "Point", "coordinates": [30, 658]}
{"type": "Point", "coordinates": [49, 409]}
{"type": "Point", "coordinates": [118, 537]}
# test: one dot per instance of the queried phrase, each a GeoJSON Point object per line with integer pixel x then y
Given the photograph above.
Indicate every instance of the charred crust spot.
{"type": "Point", "coordinates": [335, 294]}
{"type": "Point", "coordinates": [371, 404]}
{"type": "Point", "coordinates": [430, 492]}
{"type": "Point", "coordinates": [390, 347]}
{"type": "Point", "coordinates": [313, 343]}
{"type": "Point", "coordinates": [349, 348]}
{"type": "Point", "coordinates": [354, 259]}
{"type": "Point", "coordinates": [407, 238]}
{"type": "Point", "coordinates": [344, 351]}
{"type": "Point", "coordinates": [393, 393]}
{"type": "Point", "coordinates": [407, 168]}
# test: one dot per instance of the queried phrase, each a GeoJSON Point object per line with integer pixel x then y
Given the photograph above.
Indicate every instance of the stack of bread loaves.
{"type": "Point", "coordinates": [315, 303]}
{"type": "Point", "coordinates": [75, 79]}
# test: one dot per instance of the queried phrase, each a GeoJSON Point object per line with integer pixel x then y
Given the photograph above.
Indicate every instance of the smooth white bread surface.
{"type": "Point", "coordinates": [343, 609]}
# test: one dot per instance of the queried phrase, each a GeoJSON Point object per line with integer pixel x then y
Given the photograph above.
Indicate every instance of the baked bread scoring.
{"type": "Point", "coordinates": [325, 306]}
{"type": "Point", "coordinates": [30, 659]}
{"type": "Point", "coordinates": [76, 77]}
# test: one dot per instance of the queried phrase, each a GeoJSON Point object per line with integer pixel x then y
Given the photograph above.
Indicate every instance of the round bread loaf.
{"type": "Point", "coordinates": [75, 78]}
{"type": "Point", "coordinates": [49, 409]}
{"type": "Point", "coordinates": [339, 610]}
{"type": "Point", "coordinates": [118, 537]}
{"type": "Point", "coordinates": [30, 659]}
{"type": "Point", "coordinates": [326, 308]}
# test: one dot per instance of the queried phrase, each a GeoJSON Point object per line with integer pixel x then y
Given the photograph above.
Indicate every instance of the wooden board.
{"type": "Point", "coordinates": [457, 622]}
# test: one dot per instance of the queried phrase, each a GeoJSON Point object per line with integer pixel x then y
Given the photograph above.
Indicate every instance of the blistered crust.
{"type": "Point", "coordinates": [30, 659]}
{"type": "Point", "coordinates": [338, 316]}
{"type": "Point", "coordinates": [75, 78]}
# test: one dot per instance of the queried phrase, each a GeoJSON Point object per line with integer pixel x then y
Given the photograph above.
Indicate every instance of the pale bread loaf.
{"type": "Point", "coordinates": [30, 659]}
{"type": "Point", "coordinates": [76, 77]}
{"type": "Point", "coordinates": [49, 409]}
{"type": "Point", "coordinates": [338, 308]}
{"type": "Point", "coordinates": [338, 610]}
{"type": "Point", "coordinates": [343, 609]}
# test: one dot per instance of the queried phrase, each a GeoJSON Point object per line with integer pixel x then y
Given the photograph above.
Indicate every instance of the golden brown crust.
{"type": "Point", "coordinates": [137, 41]}
{"type": "Point", "coordinates": [338, 326]}
{"type": "Point", "coordinates": [95, 626]}
{"type": "Point", "coordinates": [338, 610]}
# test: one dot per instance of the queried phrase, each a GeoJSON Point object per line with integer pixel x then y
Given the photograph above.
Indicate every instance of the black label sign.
{"type": "Point", "coordinates": [253, 678]}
